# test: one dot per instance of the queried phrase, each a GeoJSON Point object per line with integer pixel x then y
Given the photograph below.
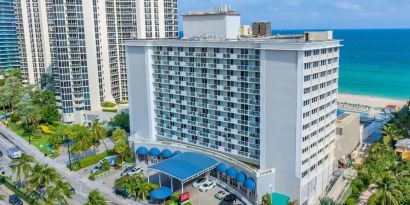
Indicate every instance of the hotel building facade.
{"type": "Point", "coordinates": [9, 50]}
{"type": "Point", "coordinates": [268, 102]}
{"type": "Point", "coordinates": [81, 43]}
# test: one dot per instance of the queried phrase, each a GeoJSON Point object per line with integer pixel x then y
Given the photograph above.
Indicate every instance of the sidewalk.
{"type": "Point", "coordinates": [80, 182]}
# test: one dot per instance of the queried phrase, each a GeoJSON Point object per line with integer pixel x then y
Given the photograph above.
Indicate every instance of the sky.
{"type": "Point", "coordinates": [314, 14]}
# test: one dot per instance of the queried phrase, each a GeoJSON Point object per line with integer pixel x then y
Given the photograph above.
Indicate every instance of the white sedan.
{"type": "Point", "coordinates": [199, 182]}
{"type": "Point", "coordinates": [207, 186]}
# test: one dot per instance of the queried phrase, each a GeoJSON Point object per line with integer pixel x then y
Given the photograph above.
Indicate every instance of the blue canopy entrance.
{"type": "Point", "coordinates": [186, 166]}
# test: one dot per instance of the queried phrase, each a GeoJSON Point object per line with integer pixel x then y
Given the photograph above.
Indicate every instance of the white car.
{"type": "Point", "coordinates": [96, 168]}
{"type": "Point", "coordinates": [133, 171]}
{"type": "Point", "coordinates": [207, 186]}
{"type": "Point", "coordinates": [199, 182]}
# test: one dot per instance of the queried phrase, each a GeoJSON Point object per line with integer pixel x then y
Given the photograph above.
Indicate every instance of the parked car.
{"type": "Point", "coordinates": [199, 182]}
{"type": "Point", "coordinates": [96, 168]}
{"type": "Point", "coordinates": [1, 162]}
{"type": "Point", "coordinates": [111, 159]}
{"type": "Point", "coordinates": [207, 186]}
{"type": "Point", "coordinates": [1, 154]}
{"type": "Point", "coordinates": [14, 153]}
{"type": "Point", "coordinates": [126, 170]}
{"type": "Point", "coordinates": [133, 171]}
{"type": "Point", "coordinates": [13, 164]}
{"type": "Point", "coordinates": [15, 200]}
{"type": "Point", "coordinates": [230, 198]}
{"type": "Point", "coordinates": [221, 195]}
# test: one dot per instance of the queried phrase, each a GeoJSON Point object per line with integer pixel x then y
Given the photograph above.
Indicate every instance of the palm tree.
{"type": "Point", "coordinates": [23, 166]}
{"type": "Point", "coordinates": [327, 201]}
{"type": "Point", "coordinates": [95, 198]}
{"type": "Point", "coordinates": [43, 175]}
{"type": "Point", "coordinates": [388, 190]}
{"type": "Point", "coordinates": [119, 135]}
{"type": "Point", "coordinates": [98, 133]}
{"type": "Point", "coordinates": [59, 193]}
{"type": "Point", "coordinates": [391, 133]}
{"type": "Point", "coordinates": [81, 137]}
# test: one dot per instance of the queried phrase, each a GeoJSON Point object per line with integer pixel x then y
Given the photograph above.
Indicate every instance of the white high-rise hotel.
{"type": "Point", "coordinates": [81, 42]}
{"type": "Point", "coordinates": [267, 101]}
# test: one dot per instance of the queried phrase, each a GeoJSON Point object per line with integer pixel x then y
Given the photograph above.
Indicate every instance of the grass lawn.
{"type": "Point", "coordinates": [40, 141]}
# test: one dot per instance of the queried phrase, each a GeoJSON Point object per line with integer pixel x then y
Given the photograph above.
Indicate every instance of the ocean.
{"type": "Point", "coordinates": [373, 62]}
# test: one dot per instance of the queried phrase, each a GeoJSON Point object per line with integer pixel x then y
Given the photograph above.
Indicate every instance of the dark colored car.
{"type": "Point", "coordinates": [13, 164]}
{"type": "Point", "coordinates": [15, 200]}
{"type": "Point", "coordinates": [121, 192]}
{"type": "Point", "coordinates": [230, 198]}
{"type": "Point", "coordinates": [1, 154]}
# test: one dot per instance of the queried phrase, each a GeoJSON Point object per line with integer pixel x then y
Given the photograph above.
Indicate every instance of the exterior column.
{"type": "Point", "coordinates": [172, 184]}
{"type": "Point", "coordinates": [159, 177]}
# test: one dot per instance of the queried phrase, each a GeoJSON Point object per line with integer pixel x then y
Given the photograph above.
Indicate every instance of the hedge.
{"type": "Point", "coordinates": [108, 104]}
{"type": "Point", "coordinates": [88, 161]}
{"type": "Point", "coordinates": [109, 110]}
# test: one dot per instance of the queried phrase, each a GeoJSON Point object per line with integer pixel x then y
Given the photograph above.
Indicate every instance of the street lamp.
{"type": "Point", "coordinates": [271, 191]}
{"type": "Point", "coordinates": [69, 154]}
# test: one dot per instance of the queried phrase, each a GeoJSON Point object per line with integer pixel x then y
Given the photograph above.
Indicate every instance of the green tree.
{"type": "Point", "coordinates": [81, 136]}
{"type": "Point", "coordinates": [121, 120]}
{"type": "Point", "coordinates": [119, 135]}
{"type": "Point", "coordinates": [391, 134]}
{"type": "Point", "coordinates": [95, 198]}
{"type": "Point", "coordinates": [266, 199]}
{"type": "Point", "coordinates": [59, 136]}
{"type": "Point", "coordinates": [98, 133]}
{"type": "Point", "coordinates": [327, 201]}
{"type": "Point", "coordinates": [43, 176]}
{"type": "Point", "coordinates": [46, 103]}
{"type": "Point", "coordinates": [59, 193]}
{"type": "Point", "coordinates": [23, 166]}
{"type": "Point", "coordinates": [388, 190]}
{"type": "Point", "coordinates": [11, 92]}
{"type": "Point", "coordinates": [123, 150]}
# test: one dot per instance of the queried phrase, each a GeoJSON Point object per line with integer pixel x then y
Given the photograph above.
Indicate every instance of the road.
{"type": "Point", "coordinates": [81, 183]}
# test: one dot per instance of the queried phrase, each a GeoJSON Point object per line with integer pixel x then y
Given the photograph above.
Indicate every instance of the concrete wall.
{"type": "Point", "coordinates": [212, 26]}
{"type": "Point", "coordinates": [347, 135]}
{"type": "Point", "coordinates": [279, 87]}
{"type": "Point", "coordinates": [139, 93]}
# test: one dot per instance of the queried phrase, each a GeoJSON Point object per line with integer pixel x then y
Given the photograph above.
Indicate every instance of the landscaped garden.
{"type": "Point", "coordinates": [383, 170]}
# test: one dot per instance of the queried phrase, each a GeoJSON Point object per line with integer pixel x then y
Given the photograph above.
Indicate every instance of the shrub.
{"type": "Point", "coordinates": [88, 161]}
{"type": "Point", "coordinates": [108, 104]}
{"type": "Point", "coordinates": [109, 110]}
{"type": "Point", "coordinates": [45, 129]}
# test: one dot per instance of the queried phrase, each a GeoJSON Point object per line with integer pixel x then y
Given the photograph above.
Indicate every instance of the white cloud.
{"type": "Point", "coordinates": [347, 6]}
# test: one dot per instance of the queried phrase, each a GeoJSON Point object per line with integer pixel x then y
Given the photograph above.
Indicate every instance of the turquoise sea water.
{"type": "Point", "coordinates": [374, 62]}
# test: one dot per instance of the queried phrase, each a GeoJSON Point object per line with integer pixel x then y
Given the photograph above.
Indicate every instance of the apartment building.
{"type": "Point", "coordinates": [265, 101]}
{"type": "Point", "coordinates": [82, 44]}
{"type": "Point", "coordinates": [9, 51]}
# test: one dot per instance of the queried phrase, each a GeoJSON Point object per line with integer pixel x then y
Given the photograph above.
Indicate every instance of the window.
{"type": "Point", "coordinates": [307, 78]}
{"type": "Point", "coordinates": [304, 173]}
{"type": "Point", "coordinates": [308, 53]}
{"type": "Point", "coordinates": [305, 161]}
{"type": "Point", "coordinates": [316, 52]}
{"type": "Point", "coordinates": [305, 149]}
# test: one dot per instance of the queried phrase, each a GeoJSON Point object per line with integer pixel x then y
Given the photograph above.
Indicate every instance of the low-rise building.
{"type": "Point", "coordinates": [403, 149]}
{"type": "Point", "coordinates": [348, 136]}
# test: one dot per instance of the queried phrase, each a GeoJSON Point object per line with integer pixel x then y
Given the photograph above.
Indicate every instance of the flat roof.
{"type": "Point", "coordinates": [186, 166]}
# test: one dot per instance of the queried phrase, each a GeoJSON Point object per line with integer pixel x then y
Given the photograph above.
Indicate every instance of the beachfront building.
{"type": "Point", "coordinates": [9, 51]}
{"type": "Point", "coordinates": [81, 43]}
{"type": "Point", "coordinates": [261, 106]}
{"type": "Point", "coordinates": [348, 135]}
{"type": "Point", "coordinates": [403, 149]}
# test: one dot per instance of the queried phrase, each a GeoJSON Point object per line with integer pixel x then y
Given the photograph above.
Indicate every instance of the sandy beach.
{"type": "Point", "coordinates": [369, 101]}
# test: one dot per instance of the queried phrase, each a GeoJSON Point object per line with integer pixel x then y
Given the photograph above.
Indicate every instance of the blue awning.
{"type": "Point", "coordinates": [176, 153]}
{"type": "Point", "coordinates": [221, 168]}
{"type": "Point", "coordinates": [250, 184]}
{"type": "Point", "coordinates": [231, 172]}
{"type": "Point", "coordinates": [186, 165]}
{"type": "Point", "coordinates": [154, 151]}
{"type": "Point", "coordinates": [160, 193]}
{"type": "Point", "coordinates": [241, 177]}
{"type": "Point", "coordinates": [142, 150]}
{"type": "Point", "coordinates": [166, 153]}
